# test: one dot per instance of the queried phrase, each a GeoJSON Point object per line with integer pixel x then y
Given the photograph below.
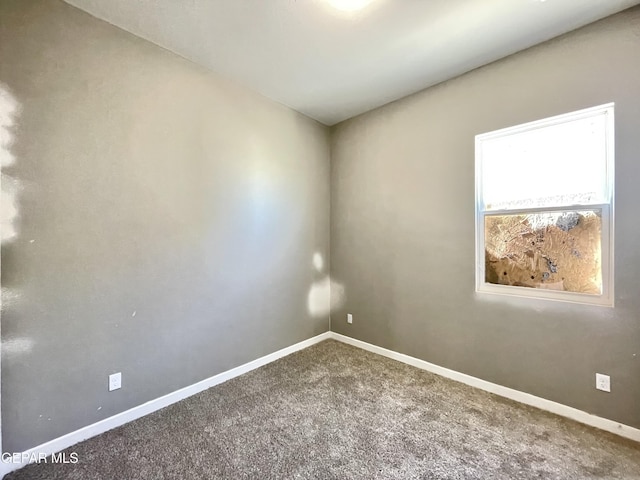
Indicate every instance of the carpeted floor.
{"type": "Point", "coordinates": [333, 411]}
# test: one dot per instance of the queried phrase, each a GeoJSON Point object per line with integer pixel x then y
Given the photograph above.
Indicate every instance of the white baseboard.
{"type": "Point", "coordinates": [522, 397]}
{"type": "Point", "coordinates": [58, 444]}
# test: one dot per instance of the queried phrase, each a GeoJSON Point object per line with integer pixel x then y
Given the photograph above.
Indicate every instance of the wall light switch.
{"type": "Point", "coordinates": [349, 318]}
{"type": "Point", "coordinates": [115, 381]}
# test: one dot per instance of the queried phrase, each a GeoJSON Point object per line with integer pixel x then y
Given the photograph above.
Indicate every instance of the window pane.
{"type": "Point", "coordinates": [562, 164]}
{"type": "Point", "coordinates": [555, 250]}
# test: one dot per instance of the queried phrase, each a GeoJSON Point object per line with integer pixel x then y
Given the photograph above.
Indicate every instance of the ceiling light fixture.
{"type": "Point", "coordinates": [349, 5]}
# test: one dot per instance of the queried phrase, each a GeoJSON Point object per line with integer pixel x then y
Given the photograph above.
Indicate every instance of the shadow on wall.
{"type": "Point", "coordinates": [325, 295]}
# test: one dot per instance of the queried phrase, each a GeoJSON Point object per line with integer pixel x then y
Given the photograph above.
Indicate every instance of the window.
{"type": "Point", "coordinates": [544, 208]}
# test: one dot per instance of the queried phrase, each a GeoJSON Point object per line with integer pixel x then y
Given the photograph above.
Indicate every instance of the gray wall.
{"type": "Point", "coordinates": [150, 186]}
{"type": "Point", "coordinates": [402, 226]}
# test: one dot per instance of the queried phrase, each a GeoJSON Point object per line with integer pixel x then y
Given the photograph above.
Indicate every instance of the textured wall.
{"type": "Point", "coordinates": [402, 225]}
{"type": "Point", "coordinates": [166, 222]}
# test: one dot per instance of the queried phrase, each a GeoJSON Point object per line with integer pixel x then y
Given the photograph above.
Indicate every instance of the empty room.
{"type": "Point", "coordinates": [324, 239]}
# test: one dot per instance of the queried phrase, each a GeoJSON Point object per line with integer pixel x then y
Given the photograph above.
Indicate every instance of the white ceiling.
{"type": "Point", "coordinates": [332, 64]}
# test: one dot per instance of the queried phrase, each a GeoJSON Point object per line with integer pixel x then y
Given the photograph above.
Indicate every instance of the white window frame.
{"type": "Point", "coordinates": [607, 229]}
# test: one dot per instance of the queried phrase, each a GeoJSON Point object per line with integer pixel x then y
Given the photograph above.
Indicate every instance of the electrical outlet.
{"type": "Point", "coordinates": [603, 382]}
{"type": "Point", "coordinates": [349, 318]}
{"type": "Point", "coordinates": [115, 381]}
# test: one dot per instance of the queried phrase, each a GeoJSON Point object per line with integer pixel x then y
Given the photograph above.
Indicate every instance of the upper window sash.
{"type": "Point", "coordinates": [537, 165]}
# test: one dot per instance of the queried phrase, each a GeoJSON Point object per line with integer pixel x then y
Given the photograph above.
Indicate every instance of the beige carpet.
{"type": "Point", "coordinates": [333, 411]}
